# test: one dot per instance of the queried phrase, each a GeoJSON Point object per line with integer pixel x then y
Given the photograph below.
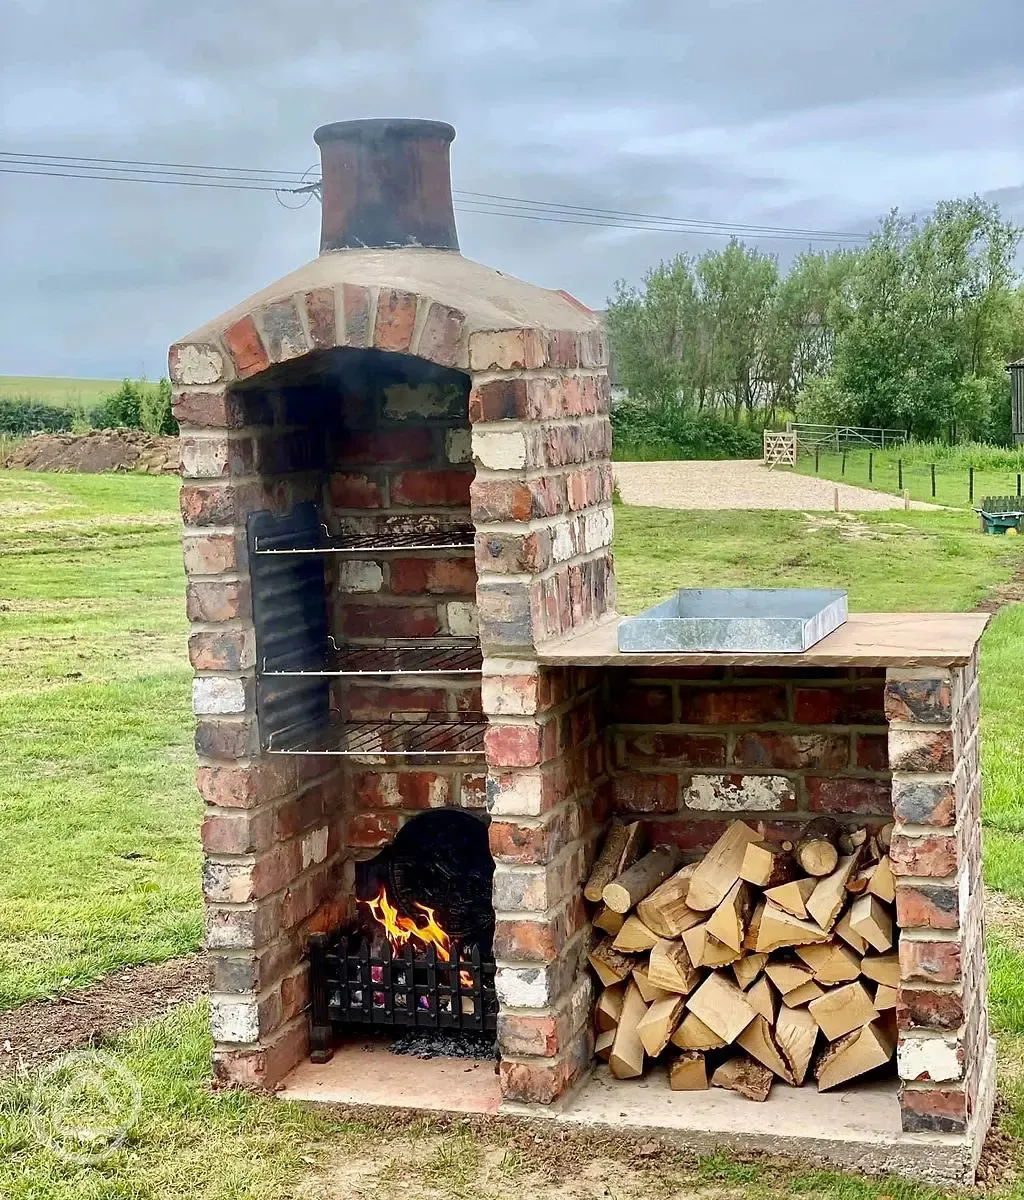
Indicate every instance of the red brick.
{"type": "Point", "coordinates": [790, 751]}
{"type": "Point", "coordinates": [370, 831]}
{"type": "Point", "coordinates": [442, 330]}
{"type": "Point", "coordinates": [645, 793]}
{"type": "Point", "coordinates": [513, 552]}
{"type": "Point", "coordinates": [294, 993]}
{"type": "Point", "coordinates": [872, 751]}
{"type": "Point", "coordinates": [246, 347]}
{"type": "Point", "coordinates": [927, 906]}
{"type": "Point", "coordinates": [389, 620]}
{"type": "Point", "coordinates": [301, 814]}
{"type": "Point", "coordinates": [500, 400]}
{"type": "Point", "coordinates": [839, 706]}
{"type": "Point", "coordinates": [390, 445]}
{"type": "Point", "coordinates": [224, 600]}
{"type": "Point", "coordinates": [217, 503]}
{"type": "Point", "coordinates": [519, 1034]}
{"type": "Point", "coordinates": [218, 409]}
{"type": "Point", "coordinates": [432, 489]}
{"type": "Point", "coordinates": [245, 787]}
{"type": "Point", "coordinates": [354, 490]}
{"type": "Point", "coordinates": [732, 706]}
{"type": "Point", "coordinates": [320, 314]}
{"type": "Point", "coordinates": [377, 703]}
{"type": "Point", "coordinates": [513, 745]}
{"type": "Point", "coordinates": [438, 576]}
{"type": "Point", "coordinates": [920, 750]}
{"type": "Point", "coordinates": [688, 832]}
{"type": "Point", "coordinates": [261, 1069]}
{"type": "Point", "coordinates": [934, 962]}
{"type": "Point", "coordinates": [642, 705]}
{"type": "Point", "coordinates": [934, 1110]}
{"type": "Point", "coordinates": [934, 855]}
{"type": "Point", "coordinates": [498, 500]}
{"type": "Point", "coordinates": [921, 1008]}
{"type": "Point", "coordinates": [676, 749]}
{"type": "Point", "coordinates": [239, 832]}
{"type": "Point", "coordinates": [542, 1081]}
{"type": "Point", "coordinates": [227, 739]}
{"type": "Point", "coordinates": [872, 797]}
{"type": "Point", "coordinates": [356, 305]}
{"type": "Point", "coordinates": [396, 316]}
{"type": "Point", "coordinates": [920, 701]}
{"type": "Point", "coordinates": [225, 650]}
{"type": "Point", "coordinates": [212, 553]}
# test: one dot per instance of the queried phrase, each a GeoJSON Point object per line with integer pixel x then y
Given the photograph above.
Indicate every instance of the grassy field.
{"type": "Point", "coordinates": [63, 393]}
{"type": "Point", "coordinates": [98, 821]}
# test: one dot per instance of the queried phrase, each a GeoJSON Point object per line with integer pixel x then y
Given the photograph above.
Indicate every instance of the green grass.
{"type": "Point", "coordinates": [62, 393]}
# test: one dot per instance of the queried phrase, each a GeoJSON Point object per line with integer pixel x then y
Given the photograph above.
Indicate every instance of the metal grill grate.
{"type": "Point", "coordinates": [460, 538]}
{"type": "Point", "coordinates": [428, 733]}
{"type": "Point", "coordinates": [455, 656]}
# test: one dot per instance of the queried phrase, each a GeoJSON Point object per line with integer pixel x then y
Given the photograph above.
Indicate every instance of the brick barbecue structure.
{"type": "Point", "coordinates": [341, 431]}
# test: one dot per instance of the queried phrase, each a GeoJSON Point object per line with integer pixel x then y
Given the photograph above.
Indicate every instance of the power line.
{"type": "Point", "coordinates": [479, 203]}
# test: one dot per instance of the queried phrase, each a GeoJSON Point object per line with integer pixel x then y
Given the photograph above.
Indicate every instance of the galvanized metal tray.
{"type": "Point", "coordinates": [780, 620]}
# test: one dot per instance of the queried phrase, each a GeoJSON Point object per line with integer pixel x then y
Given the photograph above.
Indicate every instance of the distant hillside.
{"type": "Point", "coordinates": [62, 393]}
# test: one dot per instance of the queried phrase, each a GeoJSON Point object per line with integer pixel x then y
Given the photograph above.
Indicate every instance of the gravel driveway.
{"type": "Point", "coordinates": [740, 483]}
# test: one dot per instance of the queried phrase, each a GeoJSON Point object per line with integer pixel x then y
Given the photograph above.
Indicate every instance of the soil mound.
{"type": "Point", "coordinates": [97, 451]}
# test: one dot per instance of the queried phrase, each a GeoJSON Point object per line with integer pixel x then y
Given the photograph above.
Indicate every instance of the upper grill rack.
{"type": "Point", "coordinates": [397, 656]}
{"type": "Point", "coordinates": [430, 733]}
{"type": "Point", "coordinates": [458, 538]}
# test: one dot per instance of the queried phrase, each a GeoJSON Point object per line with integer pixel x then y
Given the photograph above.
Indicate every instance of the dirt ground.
{"type": "Point", "coordinates": [97, 451]}
{"type": "Point", "coordinates": [740, 483]}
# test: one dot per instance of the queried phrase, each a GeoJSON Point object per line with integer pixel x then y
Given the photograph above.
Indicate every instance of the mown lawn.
{"type": "Point", "coordinates": [98, 826]}
{"type": "Point", "coordinates": [55, 390]}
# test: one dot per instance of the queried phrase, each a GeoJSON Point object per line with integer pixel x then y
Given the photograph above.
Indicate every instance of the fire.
{"type": "Point", "coordinates": [400, 930]}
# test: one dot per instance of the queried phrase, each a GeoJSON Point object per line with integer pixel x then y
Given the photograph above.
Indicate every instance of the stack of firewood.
{"type": "Point", "coordinates": [753, 964]}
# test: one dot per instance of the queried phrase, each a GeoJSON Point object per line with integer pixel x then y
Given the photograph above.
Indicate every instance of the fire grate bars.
{"type": "Point", "coordinates": [429, 733]}
{"type": "Point", "coordinates": [459, 538]}
{"type": "Point", "coordinates": [452, 656]}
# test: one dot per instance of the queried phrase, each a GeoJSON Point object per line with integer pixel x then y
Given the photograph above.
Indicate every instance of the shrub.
{"type": "Point", "coordinates": [22, 417]}
{"type": "Point", "coordinates": [138, 405]}
{"type": "Point", "coordinates": [652, 432]}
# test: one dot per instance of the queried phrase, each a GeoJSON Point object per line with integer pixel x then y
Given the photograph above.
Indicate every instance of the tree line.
{"type": "Point", "coordinates": [912, 332]}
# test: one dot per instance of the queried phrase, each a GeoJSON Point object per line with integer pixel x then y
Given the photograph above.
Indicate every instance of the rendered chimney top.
{"type": "Point", "coordinates": [386, 184]}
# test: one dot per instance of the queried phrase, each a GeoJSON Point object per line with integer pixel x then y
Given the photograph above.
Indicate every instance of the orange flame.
{"type": "Point", "coordinates": [400, 929]}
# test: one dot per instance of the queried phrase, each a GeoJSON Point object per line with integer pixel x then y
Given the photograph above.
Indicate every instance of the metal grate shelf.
{"type": "Point", "coordinates": [430, 734]}
{"type": "Point", "coordinates": [398, 656]}
{"type": "Point", "coordinates": [460, 538]}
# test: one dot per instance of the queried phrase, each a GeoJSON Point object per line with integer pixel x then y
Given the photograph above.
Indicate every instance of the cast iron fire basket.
{"type": "Point", "coordinates": [355, 983]}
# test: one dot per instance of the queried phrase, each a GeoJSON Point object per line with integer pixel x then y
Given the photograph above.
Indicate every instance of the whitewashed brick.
{"type": "Point", "coordinates": [936, 1059]}
{"type": "Point", "coordinates": [500, 450]}
{"type": "Point", "coordinates": [358, 575]}
{"type": "Point", "coordinates": [215, 695]}
{"type": "Point", "coordinates": [235, 1021]}
{"type": "Point", "coordinates": [753, 793]}
{"type": "Point", "coordinates": [509, 696]}
{"type": "Point", "coordinates": [563, 544]}
{"type": "Point", "coordinates": [517, 794]}
{"type": "Point", "coordinates": [227, 883]}
{"type": "Point", "coordinates": [204, 458]}
{"type": "Point", "coordinates": [314, 847]}
{"type": "Point", "coordinates": [597, 529]}
{"type": "Point", "coordinates": [192, 364]}
{"type": "Point", "coordinates": [458, 446]}
{"type": "Point", "coordinates": [405, 400]}
{"type": "Point", "coordinates": [522, 987]}
{"type": "Point", "coordinates": [462, 619]}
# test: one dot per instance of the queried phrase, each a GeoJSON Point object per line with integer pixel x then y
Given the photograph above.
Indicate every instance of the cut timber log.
{"type": "Point", "coordinates": [639, 880]}
{"type": "Point", "coordinates": [851, 840]}
{"type": "Point", "coordinates": [609, 964]}
{"type": "Point", "coordinates": [708, 951]}
{"type": "Point", "coordinates": [882, 968]}
{"type": "Point", "coordinates": [766, 865]}
{"type": "Point", "coordinates": [688, 1072]}
{"type": "Point", "coordinates": [885, 997]}
{"type": "Point", "coordinates": [603, 1044]}
{"type": "Point", "coordinates": [729, 921]}
{"type": "Point", "coordinates": [831, 962]}
{"type": "Point", "coordinates": [608, 1008]}
{"type": "Point", "coordinates": [762, 999]}
{"type": "Point", "coordinates": [608, 921]}
{"type": "Point", "coordinates": [843, 1010]}
{"type": "Point", "coordinates": [665, 910]}
{"type": "Point", "coordinates": [849, 934]}
{"type": "Point", "coordinates": [741, 1074]}
{"type": "Point", "coordinates": [658, 1024]}
{"type": "Point", "coordinates": [869, 918]}
{"type": "Point", "coordinates": [788, 976]}
{"type": "Point", "coordinates": [670, 967]}
{"type": "Point", "coordinates": [626, 1059]}
{"type": "Point", "coordinates": [634, 936]}
{"type": "Point", "coordinates": [884, 836]}
{"type": "Point", "coordinates": [747, 969]}
{"type": "Point", "coordinates": [780, 928]}
{"type": "Point", "coordinates": [792, 897]}
{"type": "Point", "coordinates": [622, 847]}
{"type": "Point", "coordinates": [796, 1032]}
{"type": "Point", "coordinates": [828, 897]}
{"type": "Point", "coordinates": [804, 994]}
{"type": "Point", "coordinates": [854, 1055]}
{"type": "Point", "coordinates": [649, 992]}
{"type": "Point", "coordinates": [757, 1040]}
{"type": "Point", "coordinates": [719, 869]}
{"type": "Point", "coordinates": [723, 1008]}
{"type": "Point", "coordinates": [816, 851]}
{"type": "Point", "coordinates": [693, 1034]}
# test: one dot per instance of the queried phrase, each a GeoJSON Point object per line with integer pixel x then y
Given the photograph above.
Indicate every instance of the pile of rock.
{"type": "Point", "coordinates": [97, 451]}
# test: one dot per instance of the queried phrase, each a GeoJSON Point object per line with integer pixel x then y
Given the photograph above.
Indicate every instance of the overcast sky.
{"type": "Point", "coordinates": [812, 113]}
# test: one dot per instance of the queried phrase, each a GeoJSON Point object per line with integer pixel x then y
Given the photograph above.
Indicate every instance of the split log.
{"type": "Point", "coordinates": [670, 967]}
{"type": "Point", "coordinates": [827, 899]}
{"type": "Point", "coordinates": [750, 938]}
{"type": "Point", "coordinates": [780, 928]}
{"type": "Point", "coordinates": [723, 1008]}
{"type": "Point", "coordinates": [856, 1054]}
{"type": "Point", "coordinates": [622, 847]}
{"type": "Point", "coordinates": [610, 965]}
{"type": "Point", "coordinates": [760, 996]}
{"type": "Point", "coordinates": [757, 1040]}
{"type": "Point", "coordinates": [729, 921]}
{"type": "Point", "coordinates": [648, 990]}
{"type": "Point", "coordinates": [816, 851]}
{"type": "Point", "coordinates": [831, 962]}
{"type": "Point", "coordinates": [719, 869]}
{"type": "Point", "coordinates": [658, 1024]}
{"type": "Point", "coordinates": [741, 1074]}
{"type": "Point", "coordinates": [708, 951]}
{"type": "Point", "coordinates": [634, 936]}
{"type": "Point", "coordinates": [792, 897]}
{"type": "Point", "coordinates": [688, 1072]}
{"type": "Point", "coordinates": [788, 976]}
{"type": "Point", "coordinates": [608, 921]}
{"type": "Point", "coordinates": [796, 1033]}
{"type": "Point", "coordinates": [626, 1059]}
{"type": "Point", "coordinates": [804, 994]}
{"type": "Point", "coordinates": [766, 865]}
{"type": "Point", "coordinates": [747, 969]}
{"type": "Point", "coordinates": [883, 884]}
{"type": "Point", "coordinates": [641, 878]}
{"type": "Point", "coordinates": [608, 1008]}
{"type": "Point", "coordinates": [693, 1034]}
{"type": "Point", "coordinates": [881, 968]}
{"type": "Point", "coordinates": [849, 935]}
{"type": "Point", "coordinates": [885, 997]}
{"type": "Point", "coordinates": [869, 918]}
{"type": "Point", "coordinates": [842, 1010]}
{"type": "Point", "coordinates": [603, 1044]}
{"type": "Point", "coordinates": [665, 910]}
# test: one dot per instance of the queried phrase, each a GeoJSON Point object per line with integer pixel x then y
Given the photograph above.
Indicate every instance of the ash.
{"type": "Point", "coordinates": [433, 1043]}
